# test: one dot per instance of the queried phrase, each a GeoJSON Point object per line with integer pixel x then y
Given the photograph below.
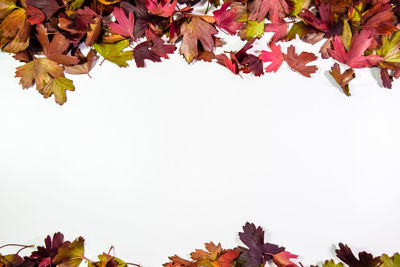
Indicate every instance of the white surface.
{"type": "Point", "coordinates": [157, 161]}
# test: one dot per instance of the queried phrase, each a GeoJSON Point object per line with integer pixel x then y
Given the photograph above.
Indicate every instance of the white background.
{"type": "Point", "coordinates": [157, 161]}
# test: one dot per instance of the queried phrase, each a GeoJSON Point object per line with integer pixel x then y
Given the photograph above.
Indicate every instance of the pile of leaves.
{"type": "Point", "coordinates": [55, 37]}
{"type": "Point", "coordinates": [256, 253]}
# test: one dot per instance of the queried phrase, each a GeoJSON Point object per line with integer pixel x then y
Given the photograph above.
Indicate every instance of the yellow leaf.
{"type": "Point", "coordinates": [39, 71]}
{"type": "Point", "coordinates": [58, 86]}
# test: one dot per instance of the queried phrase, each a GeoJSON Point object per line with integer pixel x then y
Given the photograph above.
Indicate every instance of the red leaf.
{"type": "Point", "coordinates": [229, 63]}
{"type": "Point", "coordinates": [275, 57]}
{"type": "Point", "coordinates": [275, 8]}
{"type": "Point", "coordinates": [355, 56]}
{"type": "Point", "coordinates": [125, 24]}
{"type": "Point", "coordinates": [35, 15]}
{"type": "Point", "coordinates": [226, 19]}
{"type": "Point", "coordinates": [298, 62]}
{"type": "Point", "coordinates": [280, 29]}
{"type": "Point", "coordinates": [158, 45]}
{"type": "Point", "coordinates": [282, 259]}
{"type": "Point", "coordinates": [163, 8]}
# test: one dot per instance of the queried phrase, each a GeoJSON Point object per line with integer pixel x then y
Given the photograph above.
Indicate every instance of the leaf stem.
{"type": "Point", "coordinates": [134, 264]}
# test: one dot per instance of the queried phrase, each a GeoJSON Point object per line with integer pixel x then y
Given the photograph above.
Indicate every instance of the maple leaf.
{"type": "Point", "coordinates": [275, 8]}
{"type": "Point", "coordinates": [55, 49]}
{"type": "Point", "coordinates": [35, 15]}
{"type": "Point", "coordinates": [15, 32]}
{"type": "Point", "coordinates": [6, 7]}
{"type": "Point", "coordinates": [142, 51]}
{"type": "Point", "coordinates": [158, 45]}
{"type": "Point", "coordinates": [70, 255]}
{"type": "Point", "coordinates": [113, 52]}
{"type": "Point", "coordinates": [162, 8]}
{"type": "Point", "coordinates": [142, 16]}
{"type": "Point", "coordinates": [85, 67]}
{"type": "Point", "coordinates": [282, 259]}
{"type": "Point", "coordinates": [252, 64]}
{"type": "Point", "coordinates": [257, 252]}
{"type": "Point", "coordinates": [231, 64]}
{"type": "Point", "coordinates": [390, 261]}
{"type": "Point", "coordinates": [345, 254]}
{"type": "Point", "coordinates": [387, 79]}
{"type": "Point", "coordinates": [226, 19]}
{"type": "Point", "coordinates": [275, 57]}
{"type": "Point", "coordinates": [106, 260]}
{"type": "Point", "coordinates": [49, 251]}
{"type": "Point", "coordinates": [49, 7]}
{"type": "Point", "coordinates": [390, 49]}
{"type": "Point", "coordinates": [343, 79]}
{"type": "Point", "coordinates": [125, 25]}
{"type": "Point", "coordinates": [298, 62]}
{"type": "Point", "coordinates": [38, 71]}
{"type": "Point", "coordinates": [11, 260]}
{"type": "Point", "coordinates": [252, 29]}
{"type": "Point", "coordinates": [296, 6]}
{"type": "Point", "coordinates": [58, 86]}
{"type": "Point", "coordinates": [94, 31]}
{"type": "Point", "coordinates": [355, 56]}
{"type": "Point", "coordinates": [380, 19]}
{"type": "Point", "coordinates": [177, 261]}
{"type": "Point", "coordinates": [331, 263]}
{"type": "Point", "coordinates": [280, 30]}
{"type": "Point", "coordinates": [196, 30]}
{"type": "Point", "coordinates": [215, 257]}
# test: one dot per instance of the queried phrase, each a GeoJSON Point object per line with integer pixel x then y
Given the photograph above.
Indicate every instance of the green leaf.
{"type": "Point", "coordinates": [71, 255]}
{"type": "Point", "coordinates": [113, 52]}
{"type": "Point", "coordinates": [331, 263]}
{"type": "Point", "coordinates": [390, 261]}
{"type": "Point", "coordinates": [251, 30]}
{"type": "Point", "coordinates": [390, 49]}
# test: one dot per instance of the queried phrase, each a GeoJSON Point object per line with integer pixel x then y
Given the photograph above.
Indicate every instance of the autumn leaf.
{"type": "Point", "coordinates": [124, 25]}
{"type": "Point", "coordinates": [49, 7]}
{"type": "Point", "coordinates": [176, 261]}
{"type": "Point", "coordinates": [6, 7]}
{"type": "Point", "coordinates": [39, 71]}
{"type": "Point", "coordinates": [365, 259]}
{"type": "Point", "coordinates": [276, 10]}
{"type": "Point", "coordinates": [46, 254]}
{"type": "Point", "coordinates": [196, 30]}
{"type": "Point", "coordinates": [390, 261]}
{"type": "Point", "coordinates": [15, 32]}
{"type": "Point", "coordinates": [280, 30]}
{"type": "Point", "coordinates": [331, 263]}
{"type": "Point", "coordinates": [227, 19]}
{"type": "Point", "coordinates": [215, 256]}
{"type": "Point", "coordinates": [355, 57]}
{"type": "Point", "coordinates": [113, 52]}
{"type": "Point", "coordinates": [252, 29]}
{"type": "Point", "coordinates": [55, 49]}
{"type": "Point", "coordinates": [343, 79]}
{"type": "Point", "coordinates": [282, 259]}
{"type": "Point", "coordinates": [257, 251]}
{"type": "Point", "coordinates": [35, 15]}
{"type": "Point", "coordinates": [230, 63]}
{"type": "Point", "coordinates": [84, 68]}
{"type": "Point", "coordinates": [71, 255]}
{"type": "Point", "coordinates": [390, 49]}
{"type": "Point", "coordinates": [58, 86]}
{"type": "Point", "coordinates": [109, 2]}
{"type": "Point", "coordinates": [299, 62]}
{"type": "Point", "coordinates": [162, 8]}
{"type": "Point", "coordinates": [275, 57]}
